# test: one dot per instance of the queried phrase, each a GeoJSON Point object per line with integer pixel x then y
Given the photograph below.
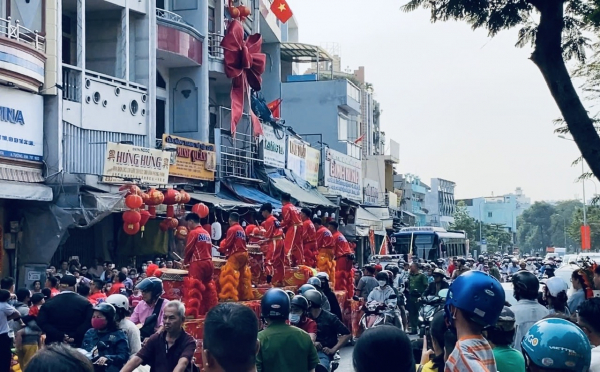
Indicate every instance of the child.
{"type": "Point", "coordinates": [28, 340]}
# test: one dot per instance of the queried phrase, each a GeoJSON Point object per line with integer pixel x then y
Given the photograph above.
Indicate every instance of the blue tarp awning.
{"type": "Point", "coordinates": [251, 194]}
{"type": "Point", "coordinates": [305, 194]}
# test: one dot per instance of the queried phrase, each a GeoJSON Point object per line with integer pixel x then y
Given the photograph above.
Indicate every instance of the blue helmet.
{"type": "Point", "coordinates": [556, 343]}
{"type": "Point", "coordinates": [275, 304]}
{"type": "Point", "coordinates": [479, 295]}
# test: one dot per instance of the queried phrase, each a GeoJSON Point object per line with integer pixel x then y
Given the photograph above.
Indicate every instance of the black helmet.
{"type": "Point", "coordinates": [314, 281]}
{"type": "Point", "coordinates": [107, 310]}
{"type": "Point", "coordinates": [526, 285]}
{"type": "Point", "coordinates": [314, 298]}
{"type": "Point", "coordinates": [305, 287]}
{"type": "Point", "coordinates": [152, 284]}
{"type": "Point", "coordinates": [301, 302]}
{"type": "Point", "coordinates": [275, 304]}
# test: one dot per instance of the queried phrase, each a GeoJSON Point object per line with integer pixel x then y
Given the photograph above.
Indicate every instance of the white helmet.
{"type": "Point", "coordinates": [119, 301]}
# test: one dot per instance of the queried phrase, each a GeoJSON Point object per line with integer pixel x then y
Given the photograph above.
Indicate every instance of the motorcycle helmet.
{"type": "Point", "coordinates": [305, 287]}
{"type": "Point", "coordinates": [478, 295]}
{"type": "Point", "coordinates": [556, 343]}
{"type": "Point", "coordinates": [119, 301]}
{"type": "Point", "coordinates": [107, 310]}
{"type": "Point", "coordinates": [275, 304]}
{"type": "Point", "coordinates": [300, 302]}
{"type": "Point", "coordinates": [151, 284]}
{"type": "Point", "coordinates": [526, 285]}
{"type": "Point", "coordinates": [314, 281]}
{"type": "Point", "coordinates": [314, 298]}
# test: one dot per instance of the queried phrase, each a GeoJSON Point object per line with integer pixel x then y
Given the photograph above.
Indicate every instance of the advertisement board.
{"type": "Point", "coordinates": [190, 158]}
{"type": "Point", "coordinates": [313, 162]}
{"type": "Point", "coordinates": [134, 163]}
{"type": "Point", "coordinates": [21, 125]}
{"type": "Point", "coordinates": [371, 191]}
{"type": "Point", "coordinates": [273, 147]}
{"type": "Point", "coordinates": [343, 175]}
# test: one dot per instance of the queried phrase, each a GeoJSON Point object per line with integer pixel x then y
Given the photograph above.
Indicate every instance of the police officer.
{"type": "Point", "coordinates": [282, 347]}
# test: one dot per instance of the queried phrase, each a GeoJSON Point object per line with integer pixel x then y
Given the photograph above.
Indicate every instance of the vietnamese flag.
{"type": "Point", "coordinates": [282, 10]}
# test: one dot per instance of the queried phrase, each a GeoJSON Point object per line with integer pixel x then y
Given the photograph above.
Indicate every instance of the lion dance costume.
{"type": "Point", "coordinates": [201, 288]}
{"type": "Point", "coordinates": [236, 275]}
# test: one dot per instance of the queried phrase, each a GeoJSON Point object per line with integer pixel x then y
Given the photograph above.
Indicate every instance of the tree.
{"type": "Point", "coordinates": [558, 36]}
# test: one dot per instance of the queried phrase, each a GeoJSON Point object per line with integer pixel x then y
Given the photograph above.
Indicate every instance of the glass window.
{"type": "Point", "coordinates": [342, 128]}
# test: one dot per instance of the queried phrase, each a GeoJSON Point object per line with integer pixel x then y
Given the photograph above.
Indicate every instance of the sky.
{"type": "Point", "coordinates": [463, 106]}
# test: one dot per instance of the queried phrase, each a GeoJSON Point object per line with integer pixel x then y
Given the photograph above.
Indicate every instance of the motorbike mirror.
{"type": "Point", "coordinates": [443, 293]}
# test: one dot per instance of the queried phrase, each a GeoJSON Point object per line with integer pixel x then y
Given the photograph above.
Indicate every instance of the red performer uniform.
{"type": "Point", "coordinates": [343, 265]}
{"type": "Point", "coordinates": [309, 240]}
{"type": "Point", "coordinates": [326, 246]}
{"type": "Point", "coordinates": [274, 250]}
{"type": "Point", "coordinates": [198, 256]}
{"type": "Point", "coordinates": [236, 277]}
{"type": "Point", "coordinates": [292, 226]}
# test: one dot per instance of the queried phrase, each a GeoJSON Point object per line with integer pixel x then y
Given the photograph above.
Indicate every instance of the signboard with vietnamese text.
{"type": "Point", "coordinates": [313, 161]}
{"type": "Point", "coordinates": [190, 158]}
{"type": "Point", "coordinates": [125, 163]}
{"type": "Point", "coordinates": [343, 175]}
{"type": "Point", "coordinates": [273, 147]}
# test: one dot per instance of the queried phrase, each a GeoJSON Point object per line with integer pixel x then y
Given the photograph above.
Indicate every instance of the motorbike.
{"type": "Point", "coordinates": [429, 306]}
{"type": "Point", "coordinates": [375, 315]}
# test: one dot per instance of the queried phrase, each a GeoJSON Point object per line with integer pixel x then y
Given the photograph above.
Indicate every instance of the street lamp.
{"type": "Point", "coordinates": [564, 227]}
{"type": "Point", "coordinates": [582, 181]}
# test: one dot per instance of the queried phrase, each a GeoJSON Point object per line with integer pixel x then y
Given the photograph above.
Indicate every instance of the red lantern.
{"type": "Point", "coordinates": [250, 229]}
{"type": "Point", "coordinates": [185, 197]}
{"type": "Point", "coordinates": [131, 217]}
{"type": "Point", "coordinates": [172, 223]}
{"type": "Point", "coordinates": [172, 197]}
{"type": "Point", "coordinates": [131, 228]}
{"type": "Point", "coordinates": [155, 198]}
{"type": "Point", "coordinates": [144, 217]}
{"type": "Point", "coordinates": [133, 201]}
{"type": "Point", "coordinates": [201, 210]}
{"type": "Point", "coordinates": [181, 233]}
{"type": "Point", "coordinates": [131, 189]}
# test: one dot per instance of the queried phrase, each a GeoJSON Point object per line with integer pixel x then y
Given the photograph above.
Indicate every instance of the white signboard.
{"type": "Point", "coordinates": [124, 163]}
{"type": "Point", "coordinates": [296, 157]}
{"type": "Point", "coordinates": [21, 125]}
{"type": "Point", "coordinates": [371, 191]}
{"type": "Point", "coordinates": [343, 175]}
{"type": "Point", "coordinates": [273, 147]}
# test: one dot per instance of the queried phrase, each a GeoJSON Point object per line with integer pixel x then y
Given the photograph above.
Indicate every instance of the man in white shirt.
{"type": "Point", "coordinates": [527, 310]}
{"type": "Point", "coordinates": [588, 319]}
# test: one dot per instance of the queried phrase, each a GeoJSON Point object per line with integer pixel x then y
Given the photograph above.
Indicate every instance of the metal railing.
{"type": "Point", "coordinates": [214, 45]}
{"type": "Point", "coordinates": [23, 34]}
{"type": "Point", "coordinates": [71, 81]}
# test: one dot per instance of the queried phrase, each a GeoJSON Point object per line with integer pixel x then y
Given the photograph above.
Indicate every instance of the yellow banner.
{"type": "Point", "coordinates": [190, 158]}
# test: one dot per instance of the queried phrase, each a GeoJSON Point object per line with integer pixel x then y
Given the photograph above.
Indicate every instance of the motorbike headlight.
{"type": "Point", "coordinates": [420, 318]}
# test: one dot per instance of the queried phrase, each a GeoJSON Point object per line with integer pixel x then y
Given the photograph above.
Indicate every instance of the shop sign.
{"type": "Point", "coordinates": [134, 163]}
{"type": "Point", "coordinates": [343, 175]}
{"type": "Point", "coordinates": [371, 192]}
{"type": "Point", "coordinates": [190, 158]}
{"type": "Point", "coordinates": [296, 157]}
{"type": "Point", "coordinates": [21, 125]}
{"type": "Point", "coordinates": [313, 161]}
{"type": "Point", "coordinates": [273, 147]}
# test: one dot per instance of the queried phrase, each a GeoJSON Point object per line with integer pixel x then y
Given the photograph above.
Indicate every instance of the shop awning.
{"type": "Point", "coordinates": [252, 194]}
{"type": "Point", "coordinates": [220, 201]}
{"type": "Point", "coordinates": [306, 196]}
{"type": "Point", "coordinates": [25, 191]}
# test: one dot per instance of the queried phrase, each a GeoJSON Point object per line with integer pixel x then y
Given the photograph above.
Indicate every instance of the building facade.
{"type": "Point", "coordinates": [440, 203]}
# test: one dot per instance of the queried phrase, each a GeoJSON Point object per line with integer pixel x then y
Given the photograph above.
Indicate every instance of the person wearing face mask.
{"type": "Point", "coordinates": [105, 343]}
{"type": "Point", "coordinates": [299, 317]}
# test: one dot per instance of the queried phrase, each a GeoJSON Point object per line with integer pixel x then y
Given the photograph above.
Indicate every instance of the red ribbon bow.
{"type": "Point", "coordinates": [244, 65]}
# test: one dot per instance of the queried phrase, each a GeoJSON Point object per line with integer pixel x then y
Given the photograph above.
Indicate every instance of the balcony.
{"type": "Point", "coordinates": [24, 49]}
{"type": "Point", "coordinates": [179, 43]}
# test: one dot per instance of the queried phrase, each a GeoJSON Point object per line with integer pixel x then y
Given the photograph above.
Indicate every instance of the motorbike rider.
{"type": "Point", "coordinates": [438, 283]}
{"type": "Point", "coordinates": [332, 334]}
{"type": "Point", "coordinates": [329, 294]}
{"type": "Point", "coordinates": [554, 344]}
{"type": "Point", "coordinates": [121, 305]}
{"type": "Point", "coordinates": [461, 267]}
{"type": "Point", "coordinates": [527, 309]}
{"type": "Point", "coordinates": [316, 282]}
{"type": "Point", "coordinates": [385, 294]}
{"type": "Point", "coordinates": [105, 342]}
{"type": "Point", "coordinates": [299, 317]}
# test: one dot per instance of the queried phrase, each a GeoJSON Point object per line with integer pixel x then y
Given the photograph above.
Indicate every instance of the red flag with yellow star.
{"type": "Point", "coordinates": [282, 10]}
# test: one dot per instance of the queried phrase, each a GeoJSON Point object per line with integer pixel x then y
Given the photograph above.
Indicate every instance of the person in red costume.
{"type": "Point", "coordinates": [343, 261]}
{"type": "Point", "coordinates": [309, 238]}
{"type": "Point", "coordinates": [236, 276]}
{"type": "Point", "coordinates": [197, 258]}
{"type": "Point", "coordinates": [292, 227]}
{"type": "Point", "coordinates": [272, 245]}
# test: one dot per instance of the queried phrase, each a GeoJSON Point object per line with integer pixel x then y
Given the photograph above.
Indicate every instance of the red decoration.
{"type": "Point", "coordinates": [155, 198]}
{"type": "Point", "coordinates": [131, 228]}
{"type": "Point", "coordinates": [131, 217]}
{"type": "Point", "coordinates": [282, 10]}
{"type": "Point", "coordinates": [133, 201]}
{"type": "Point", "coordinates": [244, 65]}
{"type": "Point", "coordinates": [201, 210]}
{"type": "Point", "coordinates": [181, 233]}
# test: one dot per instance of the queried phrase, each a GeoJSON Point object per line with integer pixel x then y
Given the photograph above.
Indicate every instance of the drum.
{"type": "Point", "coordinates": [173, 283]}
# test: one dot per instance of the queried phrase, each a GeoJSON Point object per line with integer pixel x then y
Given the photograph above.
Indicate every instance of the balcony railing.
{"type": "Point", "coordinates": [214, 45]}
{"type": "Point", "coordinates": [23, 34]}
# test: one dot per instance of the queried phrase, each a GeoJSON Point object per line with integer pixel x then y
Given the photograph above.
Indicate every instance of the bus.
{"type": "Point", "coordinates": [430, 243]}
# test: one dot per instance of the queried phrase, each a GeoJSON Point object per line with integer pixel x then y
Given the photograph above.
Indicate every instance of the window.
{"type": "Point", "coordinates": [342, 128]}
{"type": "Point", "coordinates": [489, 214]}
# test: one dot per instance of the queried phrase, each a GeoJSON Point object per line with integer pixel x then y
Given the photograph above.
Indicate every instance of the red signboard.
{"type": "Point", "coordinates": [586, 240]}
